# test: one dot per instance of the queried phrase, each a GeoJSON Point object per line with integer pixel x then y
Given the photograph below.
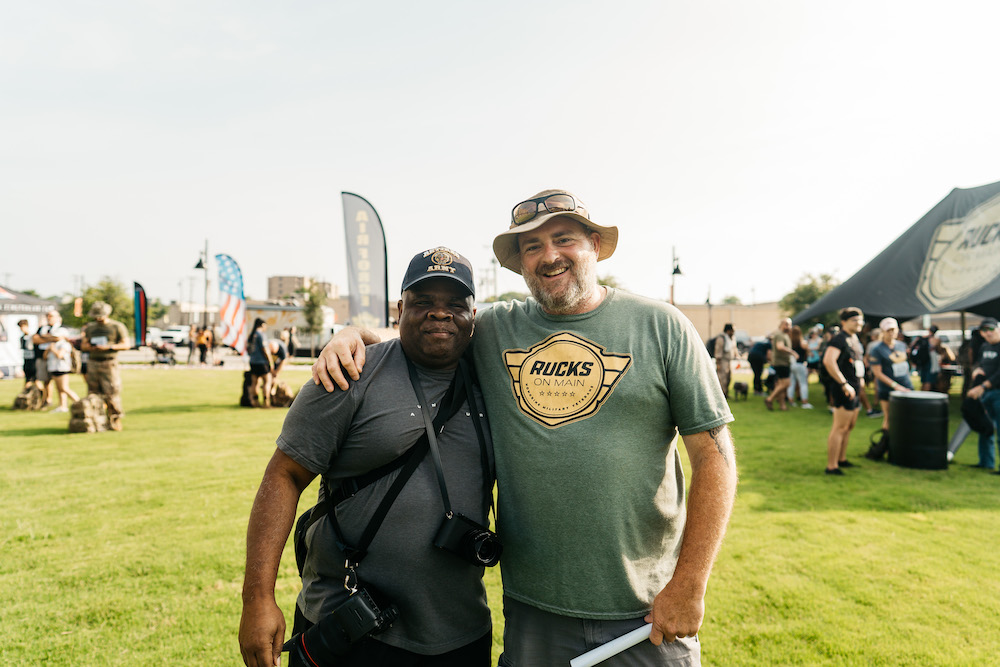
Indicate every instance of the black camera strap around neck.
{"type": "Point", "coordinates": [433, 430]}
{"type": "Point", "coordinates": [408, 461]}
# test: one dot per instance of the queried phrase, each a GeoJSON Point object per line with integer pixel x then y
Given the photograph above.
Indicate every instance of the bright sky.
{"type": "Point", "coordinates": [764, 140]}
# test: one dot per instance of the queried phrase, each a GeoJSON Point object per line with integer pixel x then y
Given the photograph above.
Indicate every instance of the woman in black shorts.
{"type": "Point", "coordinates": [846, 369]}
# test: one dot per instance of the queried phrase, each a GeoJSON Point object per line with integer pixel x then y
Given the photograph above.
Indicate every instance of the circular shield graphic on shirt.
{"type": "Point", "coordinates": [564, 378]}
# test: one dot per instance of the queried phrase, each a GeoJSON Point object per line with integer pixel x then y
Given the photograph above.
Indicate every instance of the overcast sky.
{"type": "Point", "coordinates": [764, 140]}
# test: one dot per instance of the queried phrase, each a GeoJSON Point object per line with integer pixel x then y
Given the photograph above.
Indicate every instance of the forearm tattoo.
{"type": "Point", "coordinates": [720, 441]}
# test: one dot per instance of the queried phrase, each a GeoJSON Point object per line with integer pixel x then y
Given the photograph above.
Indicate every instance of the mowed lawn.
{"type": "Point", "coordinates": [127, 548]}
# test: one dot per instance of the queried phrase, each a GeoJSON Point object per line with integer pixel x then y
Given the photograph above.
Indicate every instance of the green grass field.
{"type": "Point", "coordinates": [127, 548]}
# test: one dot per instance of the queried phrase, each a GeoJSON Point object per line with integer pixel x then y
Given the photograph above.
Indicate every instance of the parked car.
{"type": "Point", "coordinates": [178, 335]}
{"type": "Point", "coordinates": [154, 336]}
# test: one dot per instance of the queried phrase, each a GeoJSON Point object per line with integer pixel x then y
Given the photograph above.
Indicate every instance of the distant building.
{"type": "Point", "coordinates": [281, 287]}
{"type": "Point", "coordinates": [759, 319]}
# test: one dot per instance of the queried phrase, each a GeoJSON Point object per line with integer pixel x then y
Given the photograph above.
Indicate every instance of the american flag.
{"type": "Point", "coordinates": [232, 305]}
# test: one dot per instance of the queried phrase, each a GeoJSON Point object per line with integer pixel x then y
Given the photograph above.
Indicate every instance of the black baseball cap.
{"type": "Point", "coordinates": [439, 262]}
{"type": "Point", "coordinates": [988, 322]}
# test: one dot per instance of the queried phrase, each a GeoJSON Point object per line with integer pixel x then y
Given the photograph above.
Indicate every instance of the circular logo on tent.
{"type": "Point", "coordinates": [564, 378]}
{"type": "Point", "coordinates": [963, 257]}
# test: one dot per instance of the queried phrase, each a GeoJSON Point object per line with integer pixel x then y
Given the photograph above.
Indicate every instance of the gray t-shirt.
{"type": "Point", "coordinates": [441, 597]}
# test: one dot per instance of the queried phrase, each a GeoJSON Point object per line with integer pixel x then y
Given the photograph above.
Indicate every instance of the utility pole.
{"type": "Point", "coordinates": [203, 264]}
{"type": "Point", "coordinates": [676, 272]}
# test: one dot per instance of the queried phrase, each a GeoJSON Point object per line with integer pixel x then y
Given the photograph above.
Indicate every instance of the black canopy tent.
{"type": "Point", "coordinates": [948, 261]}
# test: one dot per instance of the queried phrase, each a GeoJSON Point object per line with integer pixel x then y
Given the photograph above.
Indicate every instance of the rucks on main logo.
{"type": "Point", "coordinates": [561, 368]}
{"type": "Point", "coordinates": [564, 378]}
{"type": "Point", "coordinates": [963, 257]}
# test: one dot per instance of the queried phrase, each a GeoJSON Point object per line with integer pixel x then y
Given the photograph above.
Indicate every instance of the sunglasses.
{"type": "Point", "coordinates": [556, 203]}
{"type": "Point", "coordinates": [987, 328]}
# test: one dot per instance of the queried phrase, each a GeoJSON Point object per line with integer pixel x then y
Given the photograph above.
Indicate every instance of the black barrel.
{"type": "Point", "coordinates": [918, 429]}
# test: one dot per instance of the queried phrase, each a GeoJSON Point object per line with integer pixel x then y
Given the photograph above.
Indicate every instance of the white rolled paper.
{"type": "Point", "coordinates": [613, 647]}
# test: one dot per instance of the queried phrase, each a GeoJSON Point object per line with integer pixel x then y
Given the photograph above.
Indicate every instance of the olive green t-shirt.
{"type": "Point", "coordinates": [584, 412]}
{"type": "Point", "coordinates": [780, 357]}
{"type": "Point", "coordinates": [109, 332]}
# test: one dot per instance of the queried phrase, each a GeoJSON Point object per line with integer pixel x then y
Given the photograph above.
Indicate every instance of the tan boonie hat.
{"type": "Point", "coordinates": [505, 244]}
{"type": "Point", "coordinates": [100, 309]}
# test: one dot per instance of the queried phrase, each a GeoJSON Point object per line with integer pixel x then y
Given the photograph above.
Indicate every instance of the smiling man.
{"type": "Point", "coordinates": [362, 441]}
{"type": "Point", "coordinates": [587, 388]}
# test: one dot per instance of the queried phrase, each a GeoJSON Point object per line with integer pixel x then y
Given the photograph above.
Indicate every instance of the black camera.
{"type": "Point", "coordinates": [463, 536]}
{"type": "Point", "coordinates": [358, 617]}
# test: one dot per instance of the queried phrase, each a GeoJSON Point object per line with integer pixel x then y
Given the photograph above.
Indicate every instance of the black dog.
{"type": "Point", "coordinates": [740, 390]}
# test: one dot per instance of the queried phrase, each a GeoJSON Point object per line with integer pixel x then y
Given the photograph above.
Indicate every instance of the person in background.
{"type": "Point", "coordinates": [42, 339]}
{"type": "Point", "coordinates": [103, 339]}
{"type": "Point", "coordinates": [204, 342]}
{"type": "Point", "coordinates": [920, 355]}
{"type": "Point", "coordinates": [758, 356]}
{"type": "Point", "coordinates": [260, 364]}
{"type": "Point", "coordinates": [193, 333]}
{"type": "Point", "coordinates": [27, 353]}
{"type": "Point", "coordinates": [866, 379]}
{"type": "Point", "coordinates": [782, 355]}
{"type": "Point", "coordinates": [968, 354]}
{"type": "Point", "coordinates": [846, 371]}
{"type": "Point", "coordinates": [986, 387]}
{"type": "Point", "coordinates": [279, 353]}
{"type": "Point", "coordinates": [724, 353]}
{"type": "Point", "coordinates": [813, 343]}
{"type": "Point", "coordinates": [890, 366]}
{"type": "Point", "coordinates": [941, 357]}
{"type": "Point", "coordinates": [286, 340]}
{"type": "Point", "coordinates": [59, 363]}
{"type": "Point", "coordinates": [800, 371]}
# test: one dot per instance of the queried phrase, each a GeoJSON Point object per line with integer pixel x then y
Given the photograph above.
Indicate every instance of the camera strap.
{"type": "Point", "coordinates": [408, 461]}
{"type": "Point", "coordinates": [434, 429]}
{"type": "Point", "coordinates": [431, 431]}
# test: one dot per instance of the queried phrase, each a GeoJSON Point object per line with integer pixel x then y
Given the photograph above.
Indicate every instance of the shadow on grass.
{"type": "Point", "coordinates": [183, 408]}
{"type": "Point", "coordinates": [29, 432]}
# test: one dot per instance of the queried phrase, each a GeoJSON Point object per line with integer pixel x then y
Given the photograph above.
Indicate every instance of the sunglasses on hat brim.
{"type": "Point", "coordinates": [528, 210]}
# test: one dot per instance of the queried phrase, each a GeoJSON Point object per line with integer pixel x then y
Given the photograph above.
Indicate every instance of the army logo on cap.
{"type": "Point", "coordinates": [443, 257]}
{"type": "Point", "coordinates": [564, 378]}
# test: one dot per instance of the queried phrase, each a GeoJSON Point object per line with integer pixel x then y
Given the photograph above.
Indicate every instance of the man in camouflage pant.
{"type": "Point", "coordinates": [102, 339]}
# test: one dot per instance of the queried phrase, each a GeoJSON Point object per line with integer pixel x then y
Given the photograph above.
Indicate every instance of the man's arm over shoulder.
{"type": "Point", "coordinates": [344, 352]}
{"type": "Point", "coordinates": [679, 609]}
{"type": "Point", "coordinates": [262, 625]}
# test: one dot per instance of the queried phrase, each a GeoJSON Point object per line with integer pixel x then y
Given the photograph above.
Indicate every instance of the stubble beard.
{"type": "Point", "coordinates": [568, 300]}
